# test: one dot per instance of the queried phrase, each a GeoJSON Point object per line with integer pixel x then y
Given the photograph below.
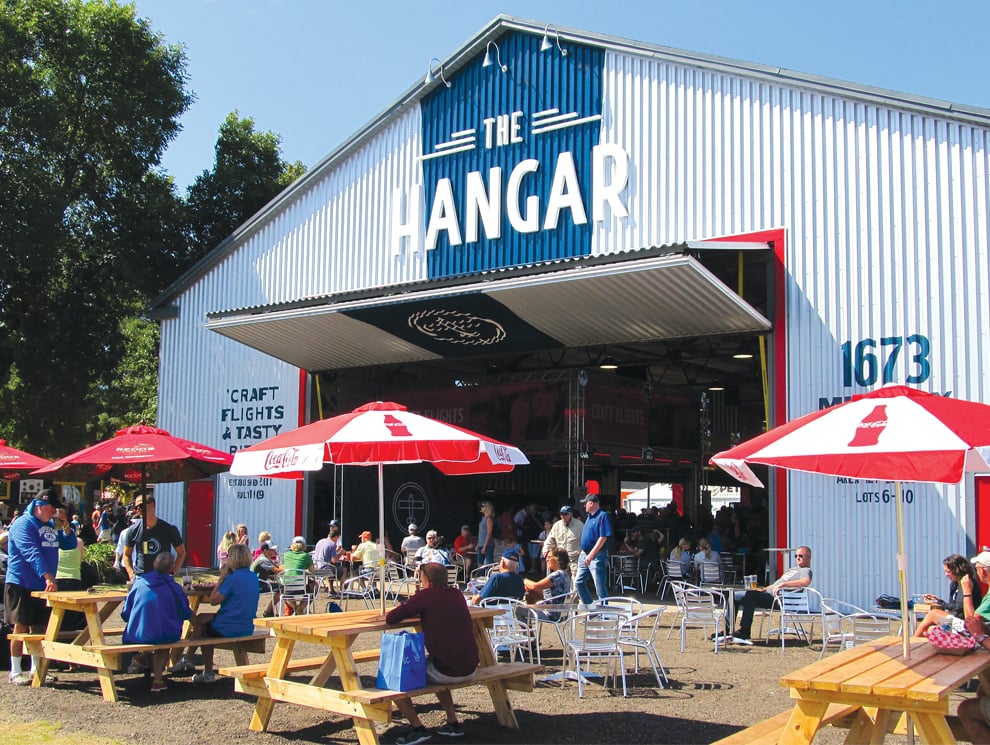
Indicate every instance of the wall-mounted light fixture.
{"type": "Point", "coordinates": [488, 61]}
{"type": "Point", "coordinates": [432, 75]}
{"type": "Point", "coordinates": [546, 45]}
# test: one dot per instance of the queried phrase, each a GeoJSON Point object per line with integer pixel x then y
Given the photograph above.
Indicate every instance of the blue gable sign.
{"type": "Point", "coordinates": [513, 168]}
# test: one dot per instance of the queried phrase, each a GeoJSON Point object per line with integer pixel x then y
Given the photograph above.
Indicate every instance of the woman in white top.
{"type": "Point", "coordinates": [681, 553]}
{"type": "Point", "coordinates": [707, 555]}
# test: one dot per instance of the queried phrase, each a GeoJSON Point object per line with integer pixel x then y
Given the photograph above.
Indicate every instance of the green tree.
{"type": "Point", "coordinates": [247, 173]}
{"type": "Point", "coordinates": [90, 228]}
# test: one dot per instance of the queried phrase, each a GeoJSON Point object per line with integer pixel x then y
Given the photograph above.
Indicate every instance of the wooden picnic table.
{"type": "Point", "coordinates": [89, 646]}
{"type": "Point", "coordinates": [336, 633]}
{"type": "Point", "coordinates": [882, 686]}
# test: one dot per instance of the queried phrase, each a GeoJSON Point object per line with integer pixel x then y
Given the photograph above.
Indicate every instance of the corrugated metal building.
{"type": "Point", "coordinates": [506, 229]}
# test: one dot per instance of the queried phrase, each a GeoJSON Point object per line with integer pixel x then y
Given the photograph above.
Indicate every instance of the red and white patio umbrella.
{"type": "Point", "coordinates": [896, 433]}
{"type": "Point", "coordinates": [377, 434]}
{"type": "Point", "coordinates": [140, 454]}
{"type": "Point", "coordinates": [16, 464]}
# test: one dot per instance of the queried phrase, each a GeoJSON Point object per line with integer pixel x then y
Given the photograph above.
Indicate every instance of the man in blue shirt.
{"type": "Point", "coordinates": [33, 545]}
{"type": "Point", "coordinates": [505, 584]}
{"type": "Point", "coordinates": [593, 559]}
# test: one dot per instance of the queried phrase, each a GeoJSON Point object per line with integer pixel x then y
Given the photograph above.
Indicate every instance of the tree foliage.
{"type": "Point", "coordinates": [248, 172]}
{"type": "Point", "coordinates": [89, 98]}
{"type": "Point", "coordinates": [91, 229]}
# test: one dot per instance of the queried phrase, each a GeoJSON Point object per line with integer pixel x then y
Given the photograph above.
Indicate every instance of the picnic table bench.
{"type": "Point", "coordinates": [90, 647]}
{"type": "Point", "coordinates": [873, 690]}
{"type": "Point", "coordinates": [337, 632]}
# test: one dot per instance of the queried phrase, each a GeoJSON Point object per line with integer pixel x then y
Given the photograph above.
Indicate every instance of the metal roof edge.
{"type": "Point", "coordinates": [503, 273]}
{"type": "Point", "coordinates": [502, 22]}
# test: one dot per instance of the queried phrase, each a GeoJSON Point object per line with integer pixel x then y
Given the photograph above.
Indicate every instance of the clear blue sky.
{"type": "Point", "coordinates": [315, 71]}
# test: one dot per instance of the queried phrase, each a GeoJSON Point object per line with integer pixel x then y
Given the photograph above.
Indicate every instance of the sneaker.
{"type": "Point", "coordinates": [207, 676]}
{"type": "Point", "coordinates": [451, 730]}
{"type": "Point", "coordinates": [414, 736]}
{"type": "Point", "coordinates": [184, 666]}
{"type": "Point", "coordinates": [136, 668]}
{"type": "Point", "coordinates": [21, 679]}
{"type": "Point", "coordinates": [159, 688]}
{"type": "Point", "coordinates": [720, 638]}
{"type": "Point", "coordinates": [744, 640]}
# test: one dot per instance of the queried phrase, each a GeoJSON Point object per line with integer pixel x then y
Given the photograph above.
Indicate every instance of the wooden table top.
{"type": "Point", "coordinates": [328, 625]}
{"type": "Point", "coordinates": [879, 669]}
{"type": "Point", "coordinates": [80, 597]}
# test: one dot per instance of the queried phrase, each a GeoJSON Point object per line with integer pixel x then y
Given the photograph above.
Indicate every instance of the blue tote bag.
{"type": "Point", "coordinates": [402, 665]}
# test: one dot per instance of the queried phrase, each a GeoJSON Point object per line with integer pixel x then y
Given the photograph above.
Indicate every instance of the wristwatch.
{"type": "Point", "coordinates": [980, 638]}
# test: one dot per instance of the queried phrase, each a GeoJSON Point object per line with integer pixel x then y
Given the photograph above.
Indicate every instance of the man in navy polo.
{"type": "Point", "coordinates": [593, 559]}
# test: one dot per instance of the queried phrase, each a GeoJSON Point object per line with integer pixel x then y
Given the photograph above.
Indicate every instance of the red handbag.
{"type": "Point", "coordinates": [948, 641]}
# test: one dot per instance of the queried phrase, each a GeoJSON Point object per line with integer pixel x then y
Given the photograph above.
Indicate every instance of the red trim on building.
{"type": "Point", "coordinates": [303, 386]}
{"type": "Point", "coordinates": [778, 376]}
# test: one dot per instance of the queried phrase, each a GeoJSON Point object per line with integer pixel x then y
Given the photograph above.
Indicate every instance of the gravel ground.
{"type": "Point", "coordinates": [709, 696]}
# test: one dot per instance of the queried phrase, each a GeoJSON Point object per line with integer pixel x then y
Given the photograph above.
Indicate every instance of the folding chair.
{"type": "Point", "coordinates": [798, 610]}
{"type": "Point", "coordinates": [295, 587]}
{"type": "Point", "coordinates": [640, 632]}
{"type": "Point", "coordinates": [701, 609]}
{"type": "Point", "coordinates": [674, 572]}
{"type": "Point", "coordinates": [628, 571]}
{"type": "Point", "coordinates": [594, 637]}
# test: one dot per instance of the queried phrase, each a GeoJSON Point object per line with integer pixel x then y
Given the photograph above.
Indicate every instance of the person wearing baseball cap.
{"type": "Point", "coordinates": [593, 559]}
{"type": "Point", "coordinates": [411, 543]}
{"type": "Point", "coordinates": [565, 535]}
{"type": "Point", "coordinates": [366, 553]}
{"type": "Point", "coordinates": [32, 563]}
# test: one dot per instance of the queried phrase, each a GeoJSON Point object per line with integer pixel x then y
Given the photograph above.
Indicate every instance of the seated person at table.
{"type": "Point", "coordinates": [965, 594]}
{"type": "Point", "coordinates": [411, 543]}
{"type": "Point", "coordinates": [366, 553]}
{"type": "Point", "coordinates": [237, 595]}
{"type": "Point", "coordinates": [706, 555]}
{"type": "Point", "coordinates": [298, 560]}
{"type": "Point", "coordinates": [266, 566]}
{"type": "Point", "coordinates": [431, 553]}
{"type": "Point", "coordinates": [974, 713]}
{"type": "Point", "coordinates": [228, 540]}
{"type": "Point", "coordinates": [514, 551]}
{"type": "Point", "coordinates": [450, 646]}
{"type": "Point", "coordinates": [263, 537]}
{"type": "Point", "coordinates": [154, 611]}
{"type": "Point", "coordinates": [327, 555]}
{"type": "Point", "coordinates": [681, 553]}
{"type": "Point", "coordinates": [981, 563]}
{"type": "Point", "coordinates": [466, 545]}
{"type": "Point", "coordinates": [750, 600]}
{"type": "Point", "coordinates": [506, 583]}
{"type": "Point", "coordinates": [556, 585]}
{"type": "Point", "coordinates": [645, 548]}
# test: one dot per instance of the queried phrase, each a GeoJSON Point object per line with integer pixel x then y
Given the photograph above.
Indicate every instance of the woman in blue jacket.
{"type": "Point", "coordinates": [154, 611]}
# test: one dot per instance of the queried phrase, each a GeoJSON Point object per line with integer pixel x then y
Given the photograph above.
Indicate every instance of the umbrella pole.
{"type": "Point", "coordinates": [381, 532]}
{"type": "Point", "coordinates": [144, 512]}
{"type": "Point", "coordinates": [902, 571]}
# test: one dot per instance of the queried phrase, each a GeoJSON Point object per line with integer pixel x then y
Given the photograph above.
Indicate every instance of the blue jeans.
{"type": "Point", "coordinates": [486, 556]}
{"type": "Point", "coordinates": [597, 572]}
{"type": "Point", "coordinates": [748, 601]}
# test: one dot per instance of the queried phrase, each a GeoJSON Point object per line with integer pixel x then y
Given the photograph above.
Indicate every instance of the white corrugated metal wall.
{"type": "Point", "coordinates": [886, 218]}
{"type": "Point", "coordinates": [886, 213]}
{"type": "Point", "coordinates": [330, 238]}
